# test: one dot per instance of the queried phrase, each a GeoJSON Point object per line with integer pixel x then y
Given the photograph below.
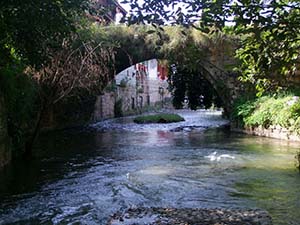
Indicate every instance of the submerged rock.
{"type": "Point", "coordinates": [188, 128]}
{"type": "Point", "coordinates": [171, 216]}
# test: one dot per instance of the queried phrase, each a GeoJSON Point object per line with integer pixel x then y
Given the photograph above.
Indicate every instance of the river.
{"type": "Point", "coordinates": [84, 176]}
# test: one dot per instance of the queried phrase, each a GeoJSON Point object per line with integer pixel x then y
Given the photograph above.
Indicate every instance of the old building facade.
{"type": "Point", "coordinates": [133, 90]}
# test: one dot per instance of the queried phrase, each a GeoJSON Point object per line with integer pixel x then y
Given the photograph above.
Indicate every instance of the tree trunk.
{"type": "Point", "coordinates": [30, 142]}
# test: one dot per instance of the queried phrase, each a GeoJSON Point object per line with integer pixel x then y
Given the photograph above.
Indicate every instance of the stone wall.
{"type": "Point", "coordinates": [5, 147]}
{"type": "Point", "coordinates": [104, 106]}
{"type": "Point", "coordinates": [272, 132]}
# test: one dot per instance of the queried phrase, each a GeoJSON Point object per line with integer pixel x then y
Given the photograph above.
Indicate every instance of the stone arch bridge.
{"type": "Point", "coordinates": [212, 56]}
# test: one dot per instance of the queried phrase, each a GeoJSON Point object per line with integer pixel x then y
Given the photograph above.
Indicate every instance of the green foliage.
{"type": "Point", "coordinates": [282, 110]}
{"type": "Point", "coordinates": [158, 12]}
{"type": "Point", "coordinates": [32, 27]}
{"type": "Point", "coordinates": [265, 112]}
{"type": "Point", "coordinates": [177, 86]}
{"type": "Point", "coordinates": [20, 94]}
{"type": "Point", "coordinates": [269, 59]}
{"type": "Point", "coordinates": [193, 85]}
{"type": "Point", "coordinates": [242, 108]}
{"type": "Point", "coordinates": [159, 118]}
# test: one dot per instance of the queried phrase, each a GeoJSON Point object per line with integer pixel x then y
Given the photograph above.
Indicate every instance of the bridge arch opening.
{"type": "Point", "coordinates": [193, 88]}
{"type": "Point", "coordinates": [152, 83]}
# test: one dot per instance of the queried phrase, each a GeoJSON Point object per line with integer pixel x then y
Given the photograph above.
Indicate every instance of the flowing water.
{"type": "Point", "coordinates": [83, 177]}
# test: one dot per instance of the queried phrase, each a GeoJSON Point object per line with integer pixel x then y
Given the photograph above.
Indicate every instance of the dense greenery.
{"type": "Point", "coordinates": [159, 118]}
{"type": "Point", "coordinates": [30, 28]}
{"type": "Point", "coordinates": [20, 97]}
{"type": "Point", "coordinates": [271, 46]}
{"type": "Point", "coordinates": [272, 110]}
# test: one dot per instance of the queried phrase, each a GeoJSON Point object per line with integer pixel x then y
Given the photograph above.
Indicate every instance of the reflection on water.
{"type": "Point", "coordinates": [86, 176]}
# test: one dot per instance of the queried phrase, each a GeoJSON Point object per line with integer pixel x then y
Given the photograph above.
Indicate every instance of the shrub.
{"type": "Point", "coordinates": [268, 111]}
{"type": "Point", "coordinates": [21, 98]}
{"type": "Point", "coordinates": [282, 110]}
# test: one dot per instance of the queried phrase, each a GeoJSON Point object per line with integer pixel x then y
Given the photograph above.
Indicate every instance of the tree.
{"type": "Point", "coordinates": [193, 85]}
{"type": "Point", "coordinates": [45, 43]}
{"type": "Point", "coordinates": [78, 66]}
{"type": "Point", "coordinates": [177, 85]}
{"type": "Point", "coordinates": [270, 50]}
{"type": "Point", "coordinates": [32, 27]}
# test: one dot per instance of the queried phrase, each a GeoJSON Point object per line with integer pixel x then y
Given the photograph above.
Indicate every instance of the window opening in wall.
{"type": "Point", "coordinates": [141, 101]}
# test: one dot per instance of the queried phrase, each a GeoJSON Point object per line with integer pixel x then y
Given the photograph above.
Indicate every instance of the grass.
{"type": "Point", "coordinates": [159, 118]}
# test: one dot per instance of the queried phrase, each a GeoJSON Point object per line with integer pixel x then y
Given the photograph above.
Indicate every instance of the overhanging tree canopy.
{"type": "Point", "coordinates": [30, 27]}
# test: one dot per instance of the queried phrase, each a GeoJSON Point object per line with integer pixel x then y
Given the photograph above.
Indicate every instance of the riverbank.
{"type": "Point", "coordinates": [171, 216]}
{"type": "Point", "coordinates": [276, 132]}
{"type": "Point", "coordinates": [274, 116]}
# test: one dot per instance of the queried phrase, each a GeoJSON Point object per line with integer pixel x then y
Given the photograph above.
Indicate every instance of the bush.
{"type": "Point", "coordinates": [282, 110]}
{"type": "Point", "coordinates": [21, 98]}
{"type": "Point", "coordinates": [159, 118]}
